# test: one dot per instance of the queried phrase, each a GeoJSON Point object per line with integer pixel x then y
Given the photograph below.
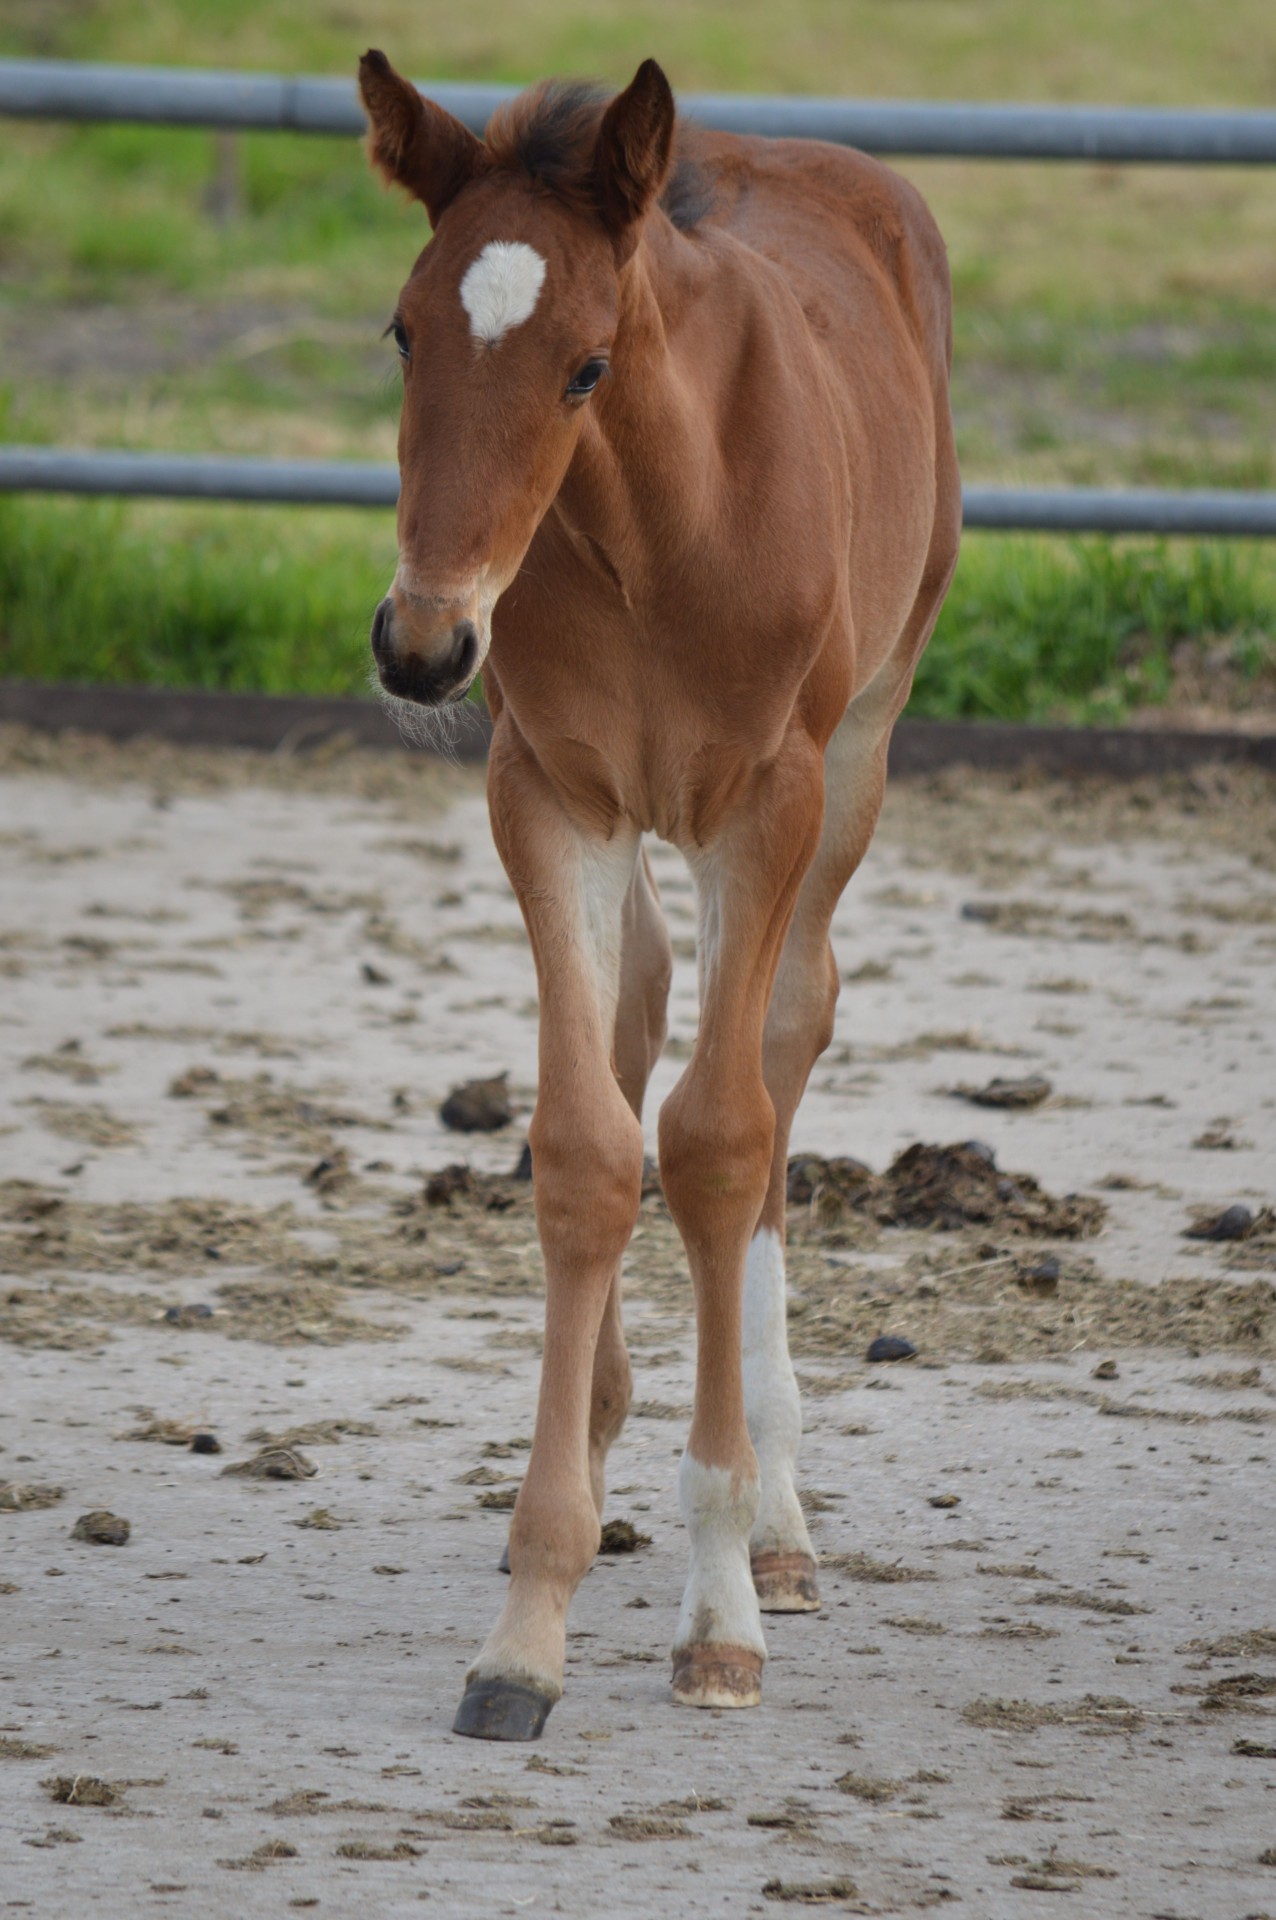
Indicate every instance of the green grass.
{"type": "Point", "coordinates": [1087, 630]}
{"type": "Point", "coordinates": [1113, 325]}
{"type": "Point", "coordinates": [248, 599]}
{"type": "Point", "coordinates": [254, 599]}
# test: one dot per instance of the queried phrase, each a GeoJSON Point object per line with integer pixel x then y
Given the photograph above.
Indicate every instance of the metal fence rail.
{"type": "Point", "coordinates": [314, 483]}
{"type": "Point", "coordinates": [68, 90]}
{"type": "Point", "coordinates": [300, 103]}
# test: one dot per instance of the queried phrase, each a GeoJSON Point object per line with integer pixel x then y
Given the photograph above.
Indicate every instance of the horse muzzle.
{"type": "Point", "coordinates": [428, 660]}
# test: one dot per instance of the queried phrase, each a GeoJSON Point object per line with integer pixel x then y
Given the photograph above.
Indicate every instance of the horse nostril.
{"type": "Point", "coordinates": [381, 621]}
{"type": "Point", "coordinates": [465, 648]}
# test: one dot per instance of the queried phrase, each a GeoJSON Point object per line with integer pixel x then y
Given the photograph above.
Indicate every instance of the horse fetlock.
{"type": "Point", "coordinates": [780, 1526]}
{"type": "Point", "coordinates": [528, 1645]}
{"type": "Point", "coordinates": [720, 1621]}
{"type": "Point", "coordinates": [783, 1563]}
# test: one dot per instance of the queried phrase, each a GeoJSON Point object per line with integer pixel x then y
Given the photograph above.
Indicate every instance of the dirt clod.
{"type": "Point", "coordinates": [811, 1893]}
{"type": "Point", "coordinates": [868, 1786]}
{"type": "Point", "coordinates": [829, 1186]}
{"type": "Point", "coordinates": [1029, 1091]}
{"type": "Point", "coordinates": [101, 1529]}
{"type": "Point", "coordinates": [478, 1106]}
{"type": "Point", "coordinates": [949, 1187]}
{"type": "Point", "coordinates": [1026, 1716]}
{"type": "Point", "coordinates": [320, 1520]}
{"type": "Point", "coordinates": [648, 1826]}
{"type": "Point", "coordinates": [165, 1433]}
{"type": "Point", "coordinates": [369, 1850]}
{"type": "Point", "coordinates": [82, 1790]}
{"type": "Point", "coordinates": [1040, 1278]}
{"type": "Point", "coordinates": [448, 1184]}
{"type": "Point", "coordinates": [622, 1536]}
{"type": "Point", "coordinates": [862, 1566]}
{"type": "Point", "coordinates": [274, 1463]}
{"type": "Point", "coordinates": [17, 1497]}
{"type": "Point", "coordinates": [266, 1855]}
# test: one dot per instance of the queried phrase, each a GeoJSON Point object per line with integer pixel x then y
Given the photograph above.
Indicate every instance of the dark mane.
{"type": "Point", "coordinates": [549, 135]}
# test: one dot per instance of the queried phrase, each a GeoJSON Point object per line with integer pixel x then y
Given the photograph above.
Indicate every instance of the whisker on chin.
{"type": "Point", "coordinates": [436, 730]}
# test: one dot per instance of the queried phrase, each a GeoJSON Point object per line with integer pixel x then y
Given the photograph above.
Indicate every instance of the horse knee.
{"type": "Point", "coordinates": [587, 1168]}
{"type": "Point", "coordinates": [715, 1146]}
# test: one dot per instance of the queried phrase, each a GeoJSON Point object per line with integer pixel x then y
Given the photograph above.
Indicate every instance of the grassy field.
{"type": "Point", "coordinates": [176, 290]}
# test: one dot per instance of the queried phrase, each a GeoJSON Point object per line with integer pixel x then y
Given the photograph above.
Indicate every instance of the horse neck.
{"type": "Point", "coordinates": [648, 461]}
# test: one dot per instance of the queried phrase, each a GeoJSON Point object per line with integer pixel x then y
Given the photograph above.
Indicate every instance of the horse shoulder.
{"type": "Point", "coordinates": [844, 225]}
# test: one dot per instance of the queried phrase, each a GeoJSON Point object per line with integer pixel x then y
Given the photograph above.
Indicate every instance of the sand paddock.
{"type": "Point", "coordinates": [235, 991]}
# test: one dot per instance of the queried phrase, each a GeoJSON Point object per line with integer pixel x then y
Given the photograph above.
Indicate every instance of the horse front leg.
{"type": "Point", "coordinates": [717, 1133]}
{"type": "Point", "coordinates": [587, 1171]}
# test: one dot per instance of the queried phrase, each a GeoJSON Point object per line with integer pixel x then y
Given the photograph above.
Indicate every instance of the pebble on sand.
{"type": "Point", "coordinates": [890, 1346]}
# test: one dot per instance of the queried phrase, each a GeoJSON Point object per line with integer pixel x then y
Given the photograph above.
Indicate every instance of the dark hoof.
{"type": "Point", "coordinates": [503, 1565]}
{"type": "Point", "coordinates": [501, 1710]}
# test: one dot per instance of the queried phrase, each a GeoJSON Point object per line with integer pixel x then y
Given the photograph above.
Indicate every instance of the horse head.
{"type": "Point", "coordinates": [505, 330]}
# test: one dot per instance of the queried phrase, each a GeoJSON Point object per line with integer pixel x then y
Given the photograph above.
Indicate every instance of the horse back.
{"type": "Point", "coordinates": [854, 240]}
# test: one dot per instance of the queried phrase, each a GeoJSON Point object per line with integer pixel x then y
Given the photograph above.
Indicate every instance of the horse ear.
{"type": "Point", "coordinates": [414, 143]}
{"type": "Point", "coordinates": [632, 156]}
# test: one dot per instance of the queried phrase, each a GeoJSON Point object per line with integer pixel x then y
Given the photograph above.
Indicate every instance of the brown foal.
{"type": "Point", "coordinates": [678, 474]}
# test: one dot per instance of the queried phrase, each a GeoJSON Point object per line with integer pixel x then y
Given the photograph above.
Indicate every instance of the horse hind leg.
{"type": "Point", "coordinates": [646, 968]}
{"type": "Point", "coordinates": [799, 1027]}
{"type": "Point", "coordinates": [716, 1133]}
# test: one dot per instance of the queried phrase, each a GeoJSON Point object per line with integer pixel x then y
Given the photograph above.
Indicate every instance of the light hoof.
{"type": "Point", "coordinates": [786, 1582]}
{"type": "Point", "coordinates": [502, 1710]}
{"type": "Point", "coordinates": [717, 1676]}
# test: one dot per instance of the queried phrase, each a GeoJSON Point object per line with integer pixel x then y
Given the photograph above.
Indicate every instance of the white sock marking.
{"type": "Point", "coordinates": [500, 289]}
{"type": "Point", "coordinates": [772, 1406]}
{"type": "Point", "coordinates": [719, 1605]}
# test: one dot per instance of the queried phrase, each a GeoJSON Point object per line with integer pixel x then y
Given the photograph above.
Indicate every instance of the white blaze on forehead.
{"type": "Point", "coordinates": [500, 289]}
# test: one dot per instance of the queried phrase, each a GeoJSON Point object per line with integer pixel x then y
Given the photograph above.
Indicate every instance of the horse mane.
{"type": "Point", "coordinates": [549, 134]}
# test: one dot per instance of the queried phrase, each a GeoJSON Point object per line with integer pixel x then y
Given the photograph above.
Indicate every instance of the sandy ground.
{"type": "Point", "coordinates": [1059, 1686]}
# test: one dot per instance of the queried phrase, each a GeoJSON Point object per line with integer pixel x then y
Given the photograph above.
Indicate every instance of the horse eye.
{"type": "Point", "coordinates": [400, 333]}
{"type": "Point", "coordinates": [587, 378]}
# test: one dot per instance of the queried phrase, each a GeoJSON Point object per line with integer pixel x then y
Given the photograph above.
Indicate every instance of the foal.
{"type": "Point", "coordinates": [678, 474]}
